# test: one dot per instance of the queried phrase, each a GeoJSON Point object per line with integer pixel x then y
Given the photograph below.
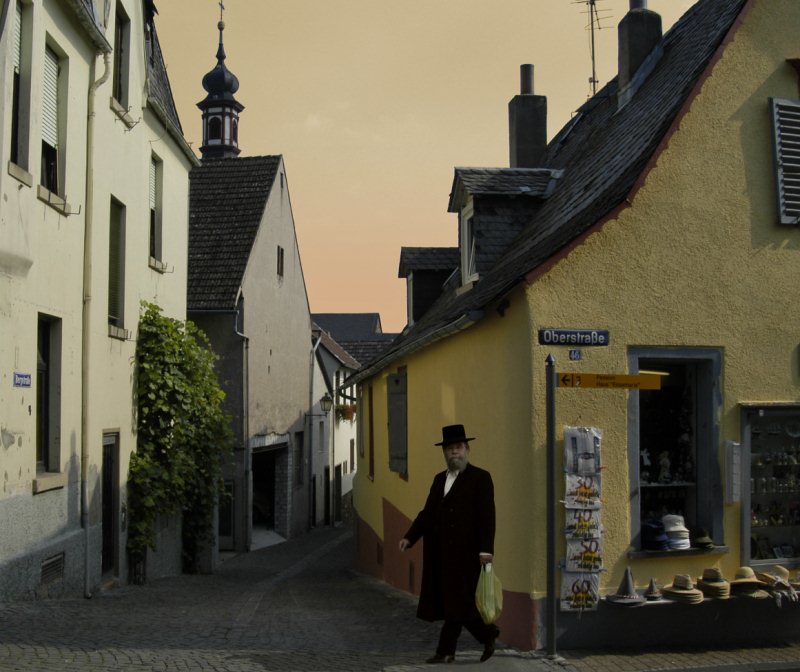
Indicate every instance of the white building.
{"type": "Point", "coordinates": [94, 221]}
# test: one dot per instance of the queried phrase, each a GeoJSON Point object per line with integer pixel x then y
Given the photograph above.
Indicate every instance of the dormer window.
{"type": "Point", "coordinates": [469, 267]}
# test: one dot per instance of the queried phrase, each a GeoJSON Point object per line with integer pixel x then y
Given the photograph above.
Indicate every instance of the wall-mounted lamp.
{"type": "Point", "coordinates": [326, 403]}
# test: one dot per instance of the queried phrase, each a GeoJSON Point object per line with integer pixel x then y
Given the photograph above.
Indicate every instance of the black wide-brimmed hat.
{"type": "Point", "coordinates": [453, 434]}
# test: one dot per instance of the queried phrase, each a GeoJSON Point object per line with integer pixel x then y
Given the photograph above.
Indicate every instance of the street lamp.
{"type": "Point", "coordinates": [326, 403]}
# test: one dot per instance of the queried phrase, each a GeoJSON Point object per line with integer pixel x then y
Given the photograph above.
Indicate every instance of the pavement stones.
{"type": "Point", "coordinates": [296, 606]}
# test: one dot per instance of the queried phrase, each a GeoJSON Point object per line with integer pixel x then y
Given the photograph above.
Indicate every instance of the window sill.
{"type": "Point", "coordinates": [118, 333]}
{"type": "Point", "coordinates": [54, 201]}
{"type": "Point", "coordinates": [717, 550]}
{"type": "Point", "coordinates": [49, 480]}
{"type": "Point", "coordinates": [122, 113]}
{"type": "Point", "coordinates": [467, 286]}
{"type": "Point", "coordinates": [157, 265]}
{"type": "Point", "coordinates": [19, 173]}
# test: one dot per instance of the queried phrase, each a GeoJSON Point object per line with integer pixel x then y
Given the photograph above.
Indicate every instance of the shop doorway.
{"type": "Point", "coordinates": [264, 490]}
{"type": "Point", "coordinates": [110, 494]}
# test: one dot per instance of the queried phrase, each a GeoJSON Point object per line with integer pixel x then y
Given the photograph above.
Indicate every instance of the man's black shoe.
{"type": "Point", "coordinates": [488, 648]}
{"type": "Point", "coordinates": [438, 658]}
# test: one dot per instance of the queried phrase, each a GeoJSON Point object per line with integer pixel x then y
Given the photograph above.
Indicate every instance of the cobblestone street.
{"type": "Point", "coordinates": [292, 606]}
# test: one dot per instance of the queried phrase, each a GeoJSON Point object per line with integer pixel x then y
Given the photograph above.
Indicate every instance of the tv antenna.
{"type": "Point", "coordinates": [596, 17]}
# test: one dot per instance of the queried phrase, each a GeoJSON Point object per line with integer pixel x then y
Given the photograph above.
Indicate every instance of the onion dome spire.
{"type": "Point", "coordinates": [220, 108]}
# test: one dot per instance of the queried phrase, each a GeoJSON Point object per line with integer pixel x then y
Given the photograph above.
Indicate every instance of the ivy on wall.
{"type": "Point", "coordinates": [184, 436]}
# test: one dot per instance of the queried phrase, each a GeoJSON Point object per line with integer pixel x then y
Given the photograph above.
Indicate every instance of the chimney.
{"type": "Point", "coordinates": [527, 124]}
{"type": "Point", "coordinates": [639, 32]}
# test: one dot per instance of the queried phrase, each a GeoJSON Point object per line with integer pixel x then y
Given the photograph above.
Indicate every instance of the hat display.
{"type": "Point", "coordinates": [713, 584]}
{"type": "Point", "coordinates": [777, 579]}
{"type": "Point", "coordinates": [626, 593]}
{"type": "Point", "coordinates": [703, 540]}
{"type": "Point", "coordinates": [682, 590]}
{"type": "Point", "coordinates": [653, 536]}
{"type": "Point", "coordinates": [677, 532]}
{"type": "Point", "coordinates": [652, 593]}
{"type": "Point", "coordinates": [746, 584]}
{"type": "Point", "coordinates": [453, 434]}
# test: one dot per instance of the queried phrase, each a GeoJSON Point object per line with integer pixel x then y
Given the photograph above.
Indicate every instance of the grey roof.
{"type": "Point", "coordinates": [92, 24]}
{"type": "Point", "coordinates": [366, 351]}
{"type": "Point", "coordinates": [227, 198]}
{"type": "Point", "coordinates": [349, 326]}
{"type": "Point", "coordinates": [336, 349]}
{"type": "Point", "coordinates": [531, 182]}
{"type": "Point", "coordinates": [160, 90]}
{"type": "Point", "coordinates": [602, 151]}
{"type": "Point", "coordinates": [427, 259]}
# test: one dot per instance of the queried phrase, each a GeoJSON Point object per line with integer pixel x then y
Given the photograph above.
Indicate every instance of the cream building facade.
{"type": "Point", "coordinates": [94, 221]}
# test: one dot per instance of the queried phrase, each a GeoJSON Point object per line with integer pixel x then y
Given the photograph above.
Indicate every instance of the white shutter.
{"type": "Point", "coordinates": [17, 37]}
{"type": "Point", "coordinates": [786, 143]}
{"type": "Point", "coordinates": [152, 184]}
{"type": "Point", "coordinates": [50, 98]}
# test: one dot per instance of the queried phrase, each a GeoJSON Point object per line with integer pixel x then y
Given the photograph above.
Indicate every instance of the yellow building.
{"type": "Point", "coordinates": [656, 232]}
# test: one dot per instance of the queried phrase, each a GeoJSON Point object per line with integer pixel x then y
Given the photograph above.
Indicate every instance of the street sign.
{"type": "Point", "coordinates": [610, 381]}
{"type": "Point", "coordinates": [574, 337]}
{"type": "Point", "coordinates": [22, 379]}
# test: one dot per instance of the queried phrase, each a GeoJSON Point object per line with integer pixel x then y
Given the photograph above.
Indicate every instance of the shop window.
{"type": "Point", "coordinates": [771, 436]}
{"type": "Point", "coordinates": [397, 399]}
{"type": "Point", "coordinates": [674, 447]}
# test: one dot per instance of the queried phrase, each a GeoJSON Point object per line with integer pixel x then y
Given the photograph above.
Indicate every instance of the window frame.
{"type": "Point", "coordinates": [51, 176]}
{"type": "Point", "coordinates": [19, 153]}
{"type": "Point", "coordinates": [155, 210]}
{"type": "Point", "coordinates": [48, 394]}
{"type": "Point", "coordinates": [121, 72]}
{"type": "Point", "coordinates": [785, 122]}
{"type": "Point", "coordinates": [116, 264]}
{"type": "Point", "coordinates": [397, 420]}
{"type": "Point", "coordinates": [467, 244]}
{"type": "Point", "coordinates": [708, 432]}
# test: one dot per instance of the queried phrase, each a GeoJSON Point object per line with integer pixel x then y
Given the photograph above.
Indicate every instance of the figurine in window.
{"type": "Point", "coordinates": [644, 475]}
{"type": "Point", "coordinates": [664, 475]}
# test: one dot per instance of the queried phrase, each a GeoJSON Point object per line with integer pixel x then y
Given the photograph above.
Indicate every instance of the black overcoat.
{"type": "Point", "coordinates": [455, 529]}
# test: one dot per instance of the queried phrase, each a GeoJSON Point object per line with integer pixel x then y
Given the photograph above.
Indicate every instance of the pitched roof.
{"type": "Point", "coordinates": [336, 350]}
{"type": "Point", "coordinates": [227, 198]}
{"type": "Point", "coordinates": [427, 259]}
{"type": "Point", "coordinates": [531, 182]}
{"type": "Point", "coordinates": [366, 351]}
{"type": "Point", "coordinates": [87, 17]}
{"type": "Point", "coordinates": [349, 326]}
{"type": "Point", "coordinates": [602, 151]}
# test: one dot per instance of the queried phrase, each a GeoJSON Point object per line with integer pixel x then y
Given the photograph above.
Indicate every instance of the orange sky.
{"type": "Point", "coordinates": [373, 103]}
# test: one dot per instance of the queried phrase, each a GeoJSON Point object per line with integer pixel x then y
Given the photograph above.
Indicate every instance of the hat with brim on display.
{"type": "Point", "coordinates": [653, 536]}
{"type": "Point", "coordinates": [682, 590]}
{"type": "Point", "coordinates": [626, 594]}
{"type": "Point", "coordinates": [713, 584]}
{"type": "Point", "coordinates": [777, 579]}
{"type": "Point", "coordinates": [745, 577]}
{"type": "Point", "coordinates": [453, 434]}
{"type": "Point", "coordinates": [652, 593]}
{"type": "Point", "coordinates": [702, 540]}
{"type": "Point", "coordinates": [674, 523]}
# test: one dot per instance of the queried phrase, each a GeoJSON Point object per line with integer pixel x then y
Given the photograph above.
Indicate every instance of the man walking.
{"type": "Point", "coordinates": [457, 524]}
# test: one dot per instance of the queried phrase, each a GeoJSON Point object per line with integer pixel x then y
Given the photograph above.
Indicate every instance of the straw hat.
{"type": "Point", "coordinates": [745, 576]}
{"type": "Point", "coordinates": [626, 593]}
{"type": "Point", "coordinates": [682, 590]}
{"type": "Point", "coordinates": [713, 584]}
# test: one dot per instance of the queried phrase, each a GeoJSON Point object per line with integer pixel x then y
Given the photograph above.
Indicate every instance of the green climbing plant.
{"type": "Point", "coordinates": [184, 435]}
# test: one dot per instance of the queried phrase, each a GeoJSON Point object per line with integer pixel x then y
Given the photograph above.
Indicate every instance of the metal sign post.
{"type": "Point", "coordinates": [552, 596]}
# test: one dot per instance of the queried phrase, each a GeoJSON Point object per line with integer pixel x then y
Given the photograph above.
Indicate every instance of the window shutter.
{"type": "Point", "coordinates": [398, 422]}
{"type": "Point", "coordinates": [152, 184]}
{"type": "Point", "coordinates": [50, 98]}
{"type": "Point", "coordinates": [17, 37]}
{"type": "Point", "coordinates": [786, 143]}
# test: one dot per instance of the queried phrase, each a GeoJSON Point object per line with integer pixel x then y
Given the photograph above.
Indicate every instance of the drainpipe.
{"type": "Point", "coordinates": [86, 317]}
{"type": "Point", "coordinates": [248, 457]}
{"type": "Point", "coordinates": [311, 429]}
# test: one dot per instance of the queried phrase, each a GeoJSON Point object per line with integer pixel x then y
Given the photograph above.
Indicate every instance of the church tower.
{"type": "Point", "coordinates": [220, 109]}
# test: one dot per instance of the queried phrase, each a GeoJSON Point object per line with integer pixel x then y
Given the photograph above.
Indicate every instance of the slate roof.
{"type": "Point", "coordinates": [366, 351]}
{"type": "Point", "coordinates": [85, 11]}
{"type": "Point", "coordinates": [427, 259]}
{"type": "Point", "coordinates": [532, 182]}
{"type": "Point", "coordinates": [602, 151]}
{"type": "Point", "coordinates": [339, 352]}
{"type": "Point", "coordinates": [227, 198]}
{"type": "Point", "coordinates": [349, 326]}
{"type": "Point", "coordinates": [160, 90]}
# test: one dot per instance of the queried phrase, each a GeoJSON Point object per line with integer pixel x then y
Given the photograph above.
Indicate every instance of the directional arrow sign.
{"type": "Point", "coordinates": [610, 381]}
